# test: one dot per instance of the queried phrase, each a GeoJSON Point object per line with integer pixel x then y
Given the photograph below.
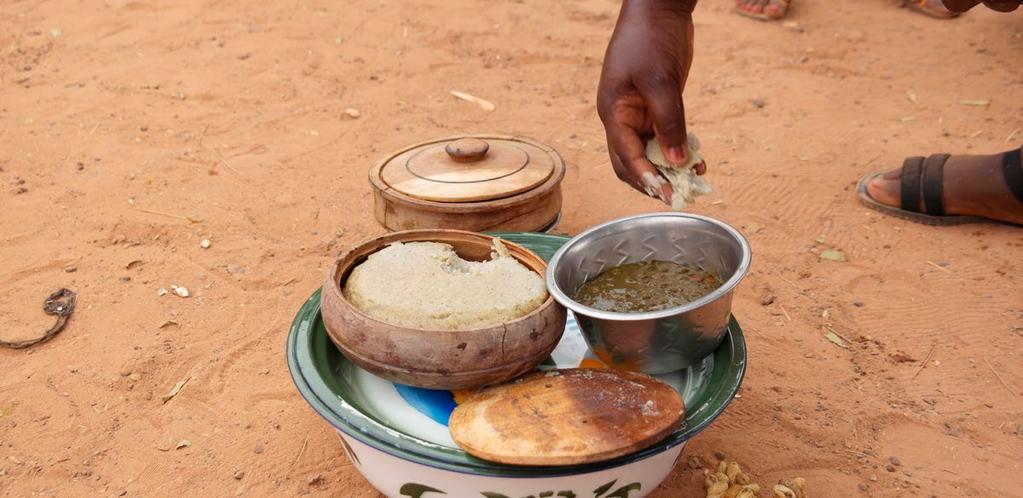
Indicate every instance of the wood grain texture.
{"type": "Point", "coordinates": [431, 174]}
{"type": "Point", "coordinates": [567, 417]}
{"type": "Point", "coordinates": [467, 150]}
{"type": "Point", "coordinates": [440, 359]}
{"type": "Point", "coordinates": [527, 211]}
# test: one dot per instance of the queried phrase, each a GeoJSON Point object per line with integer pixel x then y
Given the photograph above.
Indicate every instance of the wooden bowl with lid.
{"type": "Point", "coordinates": [440, 359]}
{"type": "Point", "coordinates": [471, 182]}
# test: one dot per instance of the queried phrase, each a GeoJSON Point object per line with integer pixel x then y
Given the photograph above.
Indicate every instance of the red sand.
{"type": "Point", "coordinates": [232, 113]}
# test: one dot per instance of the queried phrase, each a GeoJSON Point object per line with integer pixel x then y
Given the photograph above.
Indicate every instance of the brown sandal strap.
{"type": "Point", "coordinates": [932, 186]}
{"type": "Point", "coordinates": [1013, 171]}
{"type": "Point", "coordinates": [910, 184]}
{"type": "Point", "coordinates": [922, 7]}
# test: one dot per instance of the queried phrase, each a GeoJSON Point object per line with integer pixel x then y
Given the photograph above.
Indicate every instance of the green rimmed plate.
{"type": "Point", "coordinates": [411, 423]}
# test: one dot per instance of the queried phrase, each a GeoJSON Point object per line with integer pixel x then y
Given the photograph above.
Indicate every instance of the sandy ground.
{"type": "Point", "coordinates": [120, 119]}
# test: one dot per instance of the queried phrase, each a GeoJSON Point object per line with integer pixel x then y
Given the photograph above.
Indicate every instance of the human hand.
{"type": "Point", "coordinates": [640, 92]}
{"type": "Point", "coordinates": [999, 5]}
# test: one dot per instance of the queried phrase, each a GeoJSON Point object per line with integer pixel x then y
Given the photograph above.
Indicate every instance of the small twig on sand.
{"type": "Point", "coordinates": [786, 313]}
{"type": "Point", "coordinates": [999, 377]}
{"type": "Point", "coordinates": [794, 286]}
{"type": "Point", "coordinates": [926, 361]}
{"type": "Point", "coordinates": [911, 95]}
{"type": "Point", "coordinates": [858, 453]}
{"type": "Point", "coordinates": [840, 336]}
{"type": "Point", "coordinates": [301, 450]}
{"type": "Point", "coordinates": [221, 159]}
{"type": "Point", "coordinates": [484, 104]}
{"type": "Point", "coordinates": [169, 215]}
{"type": "Point", "coordinates": [942, 268]}
{"type": "Point", "coordinates": [1012, 135]}
{"type": "Point", "coordinates": [976, 103]}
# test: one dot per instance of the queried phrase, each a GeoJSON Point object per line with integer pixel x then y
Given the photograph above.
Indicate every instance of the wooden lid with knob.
{"type": "Point", "coordinates": [468, 169]}
{"type": "Point", "coordinates": [470, 182]}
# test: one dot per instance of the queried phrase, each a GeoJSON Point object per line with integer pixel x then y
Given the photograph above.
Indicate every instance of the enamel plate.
{"type": "Point", "coordinates": [397, 435]}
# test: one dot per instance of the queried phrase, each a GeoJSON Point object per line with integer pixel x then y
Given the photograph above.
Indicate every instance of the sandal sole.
{"type": "Point", "coordinates": [924, 219]}
{"type": "Point", "coordinates": [909, 4]}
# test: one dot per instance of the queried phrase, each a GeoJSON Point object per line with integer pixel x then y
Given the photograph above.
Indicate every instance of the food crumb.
{"type": "Point", "coordinates": [649, 408]}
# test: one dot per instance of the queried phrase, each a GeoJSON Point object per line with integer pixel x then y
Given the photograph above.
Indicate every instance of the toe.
{"type": "Point", "coordinates": [758, 7]}
{"type": "Point", "coordinates": [885, 188]}
{"type": "Point", "coordinates": [776, 9]}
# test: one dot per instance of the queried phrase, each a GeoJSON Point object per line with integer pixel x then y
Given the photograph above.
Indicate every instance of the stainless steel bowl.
{"type": "Point", "coordinates": [661, 341]}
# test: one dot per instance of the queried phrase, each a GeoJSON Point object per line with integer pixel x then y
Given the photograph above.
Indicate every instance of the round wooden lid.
{"type": "Point", "coordinates": [469, 169]}
{"type": "Point", "coordinates": [567, 417]}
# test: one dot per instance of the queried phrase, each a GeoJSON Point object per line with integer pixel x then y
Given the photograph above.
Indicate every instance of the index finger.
{"type": "Point", "coordinates": [663, 96]}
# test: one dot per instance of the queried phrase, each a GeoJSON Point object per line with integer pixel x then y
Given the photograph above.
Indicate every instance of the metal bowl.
{"type": "Point", "coordinates": [662, 341]}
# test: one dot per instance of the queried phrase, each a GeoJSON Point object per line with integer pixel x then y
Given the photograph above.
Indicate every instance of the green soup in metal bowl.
{"type": "Point", "coordinates": [647, 286]}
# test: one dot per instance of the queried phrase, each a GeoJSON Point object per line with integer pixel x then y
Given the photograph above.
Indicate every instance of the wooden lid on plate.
{"type": "Point", "coordinates": [469, 169]}
{"type": "Point", "coordinates": [567, 417]}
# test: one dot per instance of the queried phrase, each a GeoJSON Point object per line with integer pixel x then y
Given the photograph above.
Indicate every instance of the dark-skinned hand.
{"type": "Point", "coordinates": [640, 92]}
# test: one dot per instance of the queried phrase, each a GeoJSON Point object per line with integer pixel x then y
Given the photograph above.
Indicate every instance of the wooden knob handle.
{"type": "Point", "coordinates": [467, 150]}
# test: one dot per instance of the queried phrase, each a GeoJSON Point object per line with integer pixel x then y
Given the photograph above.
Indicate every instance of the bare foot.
{"type": "Point", "coordinates": [769, 10]}
{"type": "Point", "coordinates": [973, 186]}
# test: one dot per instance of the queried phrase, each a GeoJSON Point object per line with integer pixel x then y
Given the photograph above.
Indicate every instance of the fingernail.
{"type": "Point", "coordinates": [676, 155]}
{"type": "Point", "coordinates": [653, 186]}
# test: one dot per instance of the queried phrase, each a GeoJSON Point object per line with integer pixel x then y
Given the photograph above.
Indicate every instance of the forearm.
{"type": "Point", "coordinates": [652, 6]}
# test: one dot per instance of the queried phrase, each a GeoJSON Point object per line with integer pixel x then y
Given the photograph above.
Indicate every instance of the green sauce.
{"type": "Point", "coordinates": [647, 286]}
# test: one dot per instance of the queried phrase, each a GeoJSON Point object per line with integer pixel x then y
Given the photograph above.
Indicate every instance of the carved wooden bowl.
{"type": "Point", "coordinates": [440, 359]}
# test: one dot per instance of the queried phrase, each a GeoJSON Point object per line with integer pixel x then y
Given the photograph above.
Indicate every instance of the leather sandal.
{"type": "Point", "coordinates": [922, 179]}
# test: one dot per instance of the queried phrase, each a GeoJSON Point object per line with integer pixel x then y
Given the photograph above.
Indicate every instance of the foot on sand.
{"type": "Point", "coordinates": [768, 10]}
{"type": "Point", "coordinates": [771, 10]}
{"type": "Point", "coordinates": [971, 186]}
